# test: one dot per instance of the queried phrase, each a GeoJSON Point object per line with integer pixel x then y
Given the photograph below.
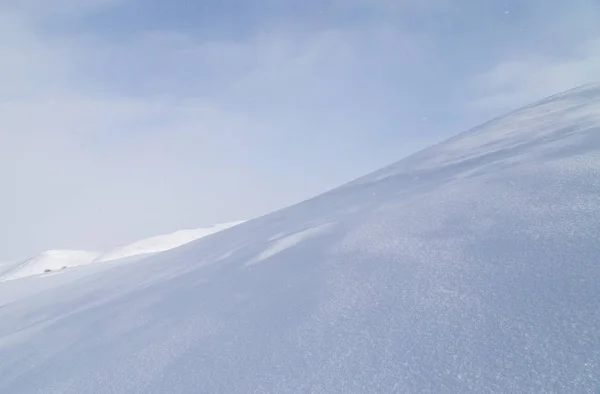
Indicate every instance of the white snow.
{"type": "Point", "coordinates": [281, 243]}
{"type": "Point", "coordinates": [50, 260]}
{"type": "Point", "coordinates": [53, 260]}
{"type": "Point", "coordinates": [470, 267]}
{"type": "Point", "coordinates": [162, 243]}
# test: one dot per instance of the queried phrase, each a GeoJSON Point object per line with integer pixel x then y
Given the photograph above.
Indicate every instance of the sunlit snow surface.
{"type": "Point", "coordinates": [50, 260]}
{"type": "Point", "coordinates": [162, 243]}
{"type": "Point", "coordinates": [471, 267]}
{"type": "Point", "coordinates": [47, 263]}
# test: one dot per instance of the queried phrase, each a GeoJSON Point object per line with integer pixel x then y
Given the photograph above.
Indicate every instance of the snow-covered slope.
{"type": "Point", "coordinates": [163, 242]}
{"type": "Point", "coordinates": [471, 267]}
{"type": "Point", "coordinates": [54, 260]}
{"type": "Point", "coordinates": [51, 260]}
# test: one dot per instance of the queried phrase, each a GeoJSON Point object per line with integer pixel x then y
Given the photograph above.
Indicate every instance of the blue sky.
{"type": "Point", "coordinates": [123, 119]}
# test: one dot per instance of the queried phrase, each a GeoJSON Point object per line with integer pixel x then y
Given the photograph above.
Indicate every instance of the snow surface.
{"type": "Point", "coordinates": [470, 267]}
{"type": "Point", "coordinates": [54, 260]}
{"type": "Point", "coordinates": [50, 260]}
{"type": "Point", "coordinates": [163, 242]}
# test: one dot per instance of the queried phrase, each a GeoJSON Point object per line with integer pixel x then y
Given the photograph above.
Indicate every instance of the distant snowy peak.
{"type": "Point", "coordinates": [55, 260]}
{"type": "Point", "coordinates": [50, 260]}
{"type": "Point", "coordinates": [163, 243]}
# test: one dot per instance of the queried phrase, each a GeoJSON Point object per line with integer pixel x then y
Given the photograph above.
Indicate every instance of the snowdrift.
{"type": "Point", "coordinates": [470, 267]}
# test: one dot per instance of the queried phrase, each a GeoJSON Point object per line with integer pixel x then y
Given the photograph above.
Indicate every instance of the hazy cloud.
{"type": "Point", "coordinates": [107, 141]}
{"type": "Point", "coordinates": [564, 53]}
{"type": "Point", "coordinates": [116, 129]}
{"type": "Point", "coordinates": [517, 82]}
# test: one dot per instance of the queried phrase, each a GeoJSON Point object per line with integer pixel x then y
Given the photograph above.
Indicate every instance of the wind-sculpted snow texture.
{"type": "Point", "coordinates": [470, 267]}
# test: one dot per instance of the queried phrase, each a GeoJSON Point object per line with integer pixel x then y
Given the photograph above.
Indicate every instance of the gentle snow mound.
{"type": "Point", "coordinates": [163, 243]}
{"type": "Point", "coordinates": [54, 260]}
{"type": "Point", "coordinates": [51, 260]}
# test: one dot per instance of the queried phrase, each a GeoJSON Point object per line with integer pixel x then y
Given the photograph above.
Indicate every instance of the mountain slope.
{"type": "Point", "coordinates": [50, 260]}
{"type": "Point", "coordinates": [54, 260]}
{"type": "Point", "coordinates": [162, 243]}
{"type": "Point", "coordinates": [470, 267]}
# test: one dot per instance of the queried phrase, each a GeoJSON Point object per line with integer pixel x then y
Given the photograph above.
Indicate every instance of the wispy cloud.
{"type": "Point", "coordinates": [517, 82]}
{"type": "Point", "coordinates": [563, 52]}
{"type": "Point", "coordinates": [43, 10]}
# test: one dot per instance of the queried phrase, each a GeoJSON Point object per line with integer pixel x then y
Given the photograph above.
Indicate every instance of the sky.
{"type": "Point", "coordinates": [122, 119]}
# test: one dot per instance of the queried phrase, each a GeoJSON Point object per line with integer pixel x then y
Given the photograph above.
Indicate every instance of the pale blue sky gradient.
{"type": "Point", "coordinates": [123, 119]}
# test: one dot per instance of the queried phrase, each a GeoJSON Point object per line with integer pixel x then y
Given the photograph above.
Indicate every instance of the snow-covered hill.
{"type": "Point", "coordinates": [57, 260]}
{"type": "Point", "coordinates": [163, 242]}
{"type": "Point", "coordinates": [470, 267]}
{"type": "Point", "coordinates": [51, 260]}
